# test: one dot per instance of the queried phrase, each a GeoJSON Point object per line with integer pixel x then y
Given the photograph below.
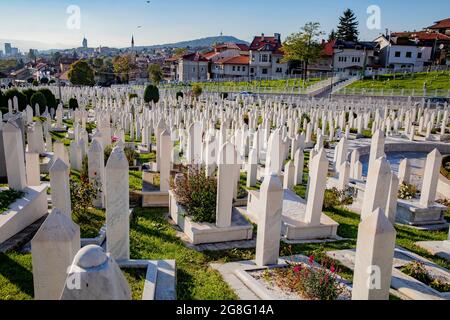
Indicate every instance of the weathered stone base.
{"type": "Point", "coordinates": [160, 280]}
{"type": "Point", "coordinates": [201, 233]}
{"type": "Point", "coordinates": [25, 211]}
{"type": "Point", "coordinates": [293, 225]}
{"type": "Point", "coordinates": [405, 285]}
{"type": "Point", "coordinates": [437, 248]}
{"type": "Point", "coordinates": [155, 199]}
{"type": "Point", "coordinates": [409, 212]}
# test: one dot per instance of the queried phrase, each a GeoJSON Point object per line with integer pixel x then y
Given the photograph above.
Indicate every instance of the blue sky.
{"type": "Point", "coordinates": [112, 22]}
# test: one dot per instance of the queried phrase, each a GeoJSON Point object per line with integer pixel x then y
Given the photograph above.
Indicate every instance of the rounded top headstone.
{"type": "Point", "coordinates": [90, 256]}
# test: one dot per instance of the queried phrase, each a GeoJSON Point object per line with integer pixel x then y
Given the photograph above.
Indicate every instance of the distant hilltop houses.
{"type": "Point", "coordinates": [227, 58]}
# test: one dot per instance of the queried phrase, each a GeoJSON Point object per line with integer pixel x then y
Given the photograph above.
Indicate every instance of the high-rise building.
{"type": "Point", "coordinates": [8, 49]}
{"type": "Point", "coordinates": [85, 43]}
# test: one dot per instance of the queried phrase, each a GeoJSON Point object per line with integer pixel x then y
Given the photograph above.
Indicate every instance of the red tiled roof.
{"type": "Point", "coordinates": [422, 35]}
{"type": "Point", "coordinates": [209, 55]}
{"type": "Point", "coordinates": [328, 48]}
{"type": "Point", "coordinates": [243, 47]}
{"type": "Point", "coordinates": [243, 59]}
{"type": "Point", "coordinates": [441, 24]}
{"type": "Point", "coordinates": [197, 57]}
{"type": "Point", "coordinates": [261, 42]}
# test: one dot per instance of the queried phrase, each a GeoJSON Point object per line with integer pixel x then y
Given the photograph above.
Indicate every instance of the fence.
{"type": "Point", "coordinates": [393, 92]}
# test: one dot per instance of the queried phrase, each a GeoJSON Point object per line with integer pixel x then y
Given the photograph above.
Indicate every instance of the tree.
{"type": "Point", "coordinates": [39, 99]}
{"type": "Point", "coordinates": [179, 52]}
{"type": "Point", "coordinates": [29, 93]}
{"type": "Point", "coordinates": [73, 103]}
{"type": "Point", "coordinates": [197, 91]}
{"type": "Point", "coordinates": [44, 81]}
{"type": "Point", "coordinates": [81, 74]}
{"type": "Point", "coordinates": [151, 94]}
{"type": "Point", "coordinates": [50, 97]}
{"type": "Point", "coordinates": [332, 36]}
{"type": "Point", "coordinates": [3, 103]}
{"type": "Point", "coordinates": [304, 45]}
{"type": "Point", "coordinates": [155, 73]}
{"type": "Point", "coordinates": [179, 95]}
{"type": "Point", "coordinates": [348, 27]}
{"type": "Point", "coordinates": [21, 98]}
{"type": "Point", "coordinates": [122, 67]}
{"type": "Point", "coordinates": [56, 57]}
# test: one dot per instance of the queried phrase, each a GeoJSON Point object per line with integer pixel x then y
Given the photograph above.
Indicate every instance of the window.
{"type": "Point", "coordinates": [264, 71]}
{"type": "Point", "coordinates": [252, 70]}
{"type": "Point", "coordinates": [279, 70]}
{"type": "Point", "coordinates": [409, 54]}
{"type": "Point", "coordinates": [419, 55]}
{"type": "Point", "coordinates": [278, 60]}
{"type": "Point", "coordinates": [398, 54]}
{"type": "Point", "coordinates": [264, 58]}
{"type": "Point", "coordinates": [234, 68]}
{"type": "Point", "coordinates": [239, 68]}
{"type": "Point", "coordinates": [243, 69]}
{"type": "Point", "coordinates": [193, 69]}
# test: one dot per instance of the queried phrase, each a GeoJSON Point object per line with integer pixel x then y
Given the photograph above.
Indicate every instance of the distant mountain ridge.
{"type": "Point", "coordinates": [203, 42]}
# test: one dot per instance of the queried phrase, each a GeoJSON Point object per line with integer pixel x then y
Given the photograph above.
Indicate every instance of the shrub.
{"type": "Point", "coordinates": [418, 271]}
{"type": "Point", "coordinates": [309, 281]}
{"type": "Point", "coordinates": [7, 197]}
{"type": "Point", "coordinates": [196, 193]}
{"type": "Point", "coordinates": [22, 99]}
{"type": "Point", "coordinates": [132, 96]}
{"type": "Point", "coordinates": [197, 91]}
{"type": "Point", "coordinates": [224, 95]}
{"type": "Point", "coordinates": [29, 93]}
{"type": "Point", "coordinates": [335, 198]}
{"type": "Point", "coordinates": [151, 94]}
{"type": "Point", "coordinates": [407, 191]}
{"type": "Point", "coordinates": [107, 152]}
{"type": "Point", "coordinates": [3, 104]}
{"type": "Point", "coordinates": [131, 154]}
{"type": "Point", "coordinates": [445, 168]}
{"type": "Point", "coordinates": [35, 83]}
{"type": "Point", "coordinates": [51, 99]}
{"type": "Point", "coordinates": [39, 98]}
{"type": "Point", "coordinates": [179, 94]}
{"type": "Point", "coordinates": [52, 81]}
{"type": "Point", "coordinates": [44, 81]}
{"type": "Point", "coordinates": [82, 194]}
{"type": "Point", "coordinates": [73, 103]}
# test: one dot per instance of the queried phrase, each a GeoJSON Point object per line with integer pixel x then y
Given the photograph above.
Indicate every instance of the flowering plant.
{"type": "Point", "coordinates": [407, 191]}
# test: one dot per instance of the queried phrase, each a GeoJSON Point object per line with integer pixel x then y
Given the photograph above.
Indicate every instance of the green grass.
{"type": "Point", "coordinates": [7, 197]}
{"type": "Point", "coordinates": [152, 237]}
{"type": "Point", "coordinates": [146, 157]}
{"type": "Point", "coordinates": [90, 222]}
{"type": "Point", "coordinates": [435, 81]}
{"type": "Point", "coordinates": [16, 278]}
{"type": "Point", "coordinates": [135, 180]}
{"type": "Point", "coordinates": [136, 279]}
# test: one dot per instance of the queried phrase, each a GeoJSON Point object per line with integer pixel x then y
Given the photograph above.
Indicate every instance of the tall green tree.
{"type": "Point", "coordinates": [178, 52]}
{"type": "Point", "coordinates": [122, 67]}
{"type": "Point", "coordinates": [304, 46]}
{"type": "Point", "coordinates": [81, 74]}
{"type": "Point", "coordinates": [332, 36]}
{"type": "Point", "coordinates": [348, 26]}
{"type": "Point", "coordinates": [155, 73]}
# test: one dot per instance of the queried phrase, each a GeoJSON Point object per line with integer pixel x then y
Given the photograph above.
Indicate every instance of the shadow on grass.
{"type": "Point", "coordinates": [16, 273]}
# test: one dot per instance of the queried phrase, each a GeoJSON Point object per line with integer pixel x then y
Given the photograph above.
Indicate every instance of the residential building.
{"type": "Point", "coordinates": [266, 57]}
{"type": "Point", "coordinates": [442, 26]}
{"type": "Point", "coordinates": [402, 53]}
{"type": "Point", "coordinates": [192, 67]}
{"type": "Point", "coordinates": [231, 67]}
{"type": "Point", "coordinates": [354, 58]}
{"type": "Point", "coordinates": [226, 50]}
{"type": "Point", "coordinates": [324, 63]}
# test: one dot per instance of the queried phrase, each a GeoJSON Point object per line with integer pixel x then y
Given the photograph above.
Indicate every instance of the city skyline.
{"type": "Point", "coordinates": [158, 22]}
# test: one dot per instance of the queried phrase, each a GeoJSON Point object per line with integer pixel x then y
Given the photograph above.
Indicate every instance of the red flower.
{"type": "Point", "coordinates": [297, 269]}
{"type": "Point", "coordinates": [311, 259]}
{"type": "Point", "coordinates": [333, 269]}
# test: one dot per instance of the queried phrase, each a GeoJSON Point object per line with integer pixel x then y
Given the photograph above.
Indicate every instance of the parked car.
{"type": "Point", "coordinates": [437, 100]}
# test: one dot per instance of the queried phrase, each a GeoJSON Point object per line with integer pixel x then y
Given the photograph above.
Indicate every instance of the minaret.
{"type": "Point", "coordinates": [132, 43]}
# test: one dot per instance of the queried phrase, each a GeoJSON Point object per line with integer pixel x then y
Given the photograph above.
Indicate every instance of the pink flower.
{"type": "Point", "coordinates": [333, 269]}
{"type": "Point", "coordinates": [115, 139]}
{"type": "Point", "coordinates": [297, 269]}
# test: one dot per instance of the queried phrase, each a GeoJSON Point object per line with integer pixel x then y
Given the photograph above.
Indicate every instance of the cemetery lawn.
{"type": "Point", "coordinates": [439, 80]}
{"type": "Point", "coordinates": [7, 197]}
{"type": "Point", "coordinates": [90, 222]}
